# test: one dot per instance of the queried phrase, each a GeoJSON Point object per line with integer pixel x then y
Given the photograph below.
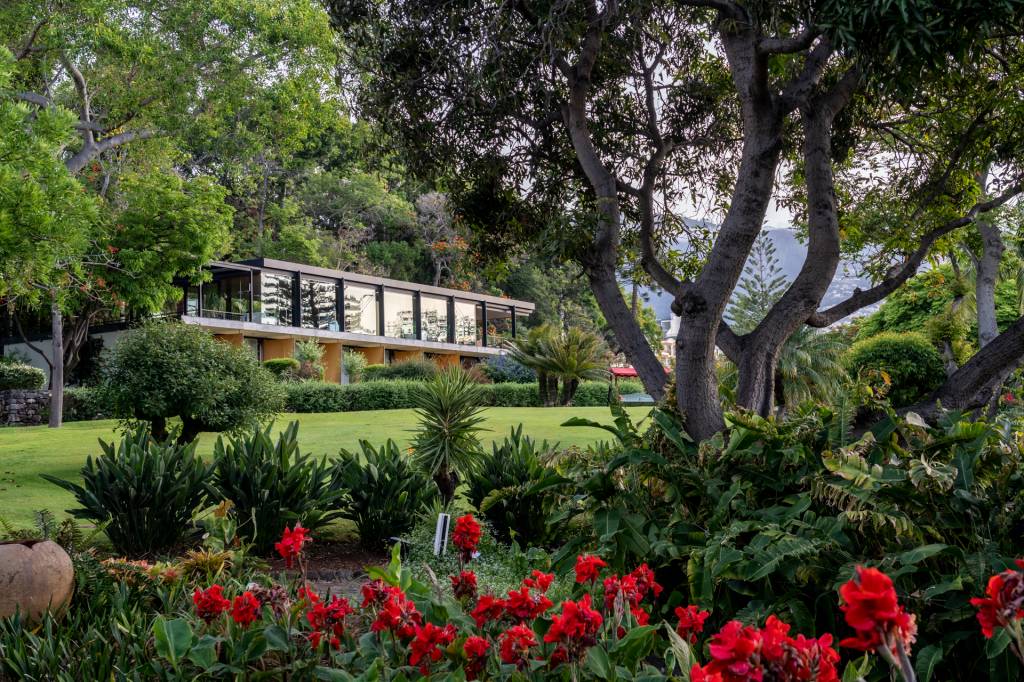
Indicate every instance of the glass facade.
{"type": "Point", "coordinates": [499, 324]}
{"type": "Point", "coordinates": [276, 298]}
{"type": "Point", "coordinates": [360, 309]}
{"type": "Point", "coordinates": [319, 303]}
{"type": "Point", "coordinates": [399, 318]}
{"type": "Point", "coordinates": [469, 323]}
{"type": "Point", "coordinates": [433, 318]}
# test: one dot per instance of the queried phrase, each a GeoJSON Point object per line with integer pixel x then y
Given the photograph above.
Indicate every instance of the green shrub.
{"type": "Point", "coordinates": [282, 368]}
{"type": "Point", "coordinates": [19, 377]}
{"type": "Point", "coordinates": [381, 395]}
{"type": "Point", "coordinates": [911, 362]}
{"type": "Point", "coordinates": [145, 491]}
{"type": "Point", "coordinates": [168, 369]}
{"type": "Point", "coordinates": [272, 485]}
{"type": "Point", "coordinates": [317, 396]}
{"type": "Point", "coordinates": [407, 370]}
{"type": "Point", "coordinates": [512, 395]}
{"type": "Point", "coordinates": [504, 369]}
{"type": "Point", "coordinates": [385, 491]}
{"type": "Point", "coordinates": [514, 490]}
{"type": "Point", "coordinates": [84, 403]}
{"type": "Point", "coordinates": [310, 355]}
{"type": "Point", "coordinates": [354, 363]}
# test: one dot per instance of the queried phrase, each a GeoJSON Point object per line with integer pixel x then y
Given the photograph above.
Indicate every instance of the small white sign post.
{"type": "Point", "coordinates": [441, 534]}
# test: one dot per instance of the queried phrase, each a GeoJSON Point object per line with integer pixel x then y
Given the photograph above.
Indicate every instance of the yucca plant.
{"type": "Point", "coordinates": [445, 443]}
{"type": "Point", "coordinates": [386, 492]}
{"type": "Point", "coordinates": [144, 491]}
{"type": "Point", "coordinates": [273, 485]}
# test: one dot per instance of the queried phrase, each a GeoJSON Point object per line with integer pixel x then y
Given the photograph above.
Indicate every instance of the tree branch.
{"type": "Point", "coordinates": [791, 44]}
{"type": "Point", "coordinates": [89, 152]}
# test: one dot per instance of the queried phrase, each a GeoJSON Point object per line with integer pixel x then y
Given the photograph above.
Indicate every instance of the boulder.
{"type": "Point", "coordinates": [35, 576]}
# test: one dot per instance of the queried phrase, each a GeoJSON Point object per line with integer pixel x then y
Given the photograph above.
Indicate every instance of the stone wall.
{"type": "Point", "coordinates": [24, 408]}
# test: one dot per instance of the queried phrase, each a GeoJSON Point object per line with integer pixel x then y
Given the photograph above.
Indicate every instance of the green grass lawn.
{"type": "Point", "coordinates": [26, 452]}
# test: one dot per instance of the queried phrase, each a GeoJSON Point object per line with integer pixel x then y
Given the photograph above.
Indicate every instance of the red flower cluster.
{"type": "Point", "coordinates": [245, 609]}
{"type": "Point", "coordinates": [425, 646]}
{"type": "Point", "coordinates": [464, 585]}
{"type": "Point", "coordinates": [628, 591]}
{"type": "Point", "coordinates": [397, 614]}
{"type": "Point", "coordinates": [210, 603]}
{"type": "Point", "coordinates": [326, 618]}
{"type": "Point", "coordinates": [588, 568]}
{"type": "Point", "coordinates": [691, 622]}
{"type": "Point", "coordinates": [475, 649]}
{"type": "Point", "coordinates": [743, 654]}
{"type": "Point", "coordinates": [872, 609]}
{"type": "Point", "coordinates": [1003, 602]}
{"type": "Point", "coordinates": [575, 630]}
{"type": "Point", "coordinates": [488, 608]}
{"type": "Point", "coordinates": [516, 643]}
{"type": "Point", "coordinates": [292, 541]}
{"type": "Point", "coordinates": [466, 536]}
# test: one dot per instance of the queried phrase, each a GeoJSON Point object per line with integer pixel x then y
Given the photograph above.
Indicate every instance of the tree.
{"type": "Point", "coordinates": [568, 356]}
{"type": "Point", "coordinates": [164, 370]}
{"type": "Point", "coordinates": [585, 124]}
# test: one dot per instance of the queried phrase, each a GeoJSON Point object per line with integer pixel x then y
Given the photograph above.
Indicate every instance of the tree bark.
{"type": "Point", "coordinates": [57, 363]}
{"type": "Point", "coordinates": [985, 282]}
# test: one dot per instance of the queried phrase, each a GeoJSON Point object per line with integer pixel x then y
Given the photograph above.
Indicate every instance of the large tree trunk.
{"type": "Point", "coordinates": [57, 363]}
{"type": "Point", "coordinates": [985, 282]}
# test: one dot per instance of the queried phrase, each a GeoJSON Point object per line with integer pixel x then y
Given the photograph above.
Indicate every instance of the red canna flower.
{"type": "Point", "coordinates": [872, 609]}
{"type": "Point", "coordinates": [576, 629]}
{"type": "Point", "coordinates": [245, 609]}
{"type": "Point", "coordinates": [375, 593]}
{"type": "Point", "coordinates": [210, 603]}
{"type": "Point", "coordinates": [522, 606]}
{"type": "Point", "coordinates": [488, 608]}
{"type": "Point", "coordinates": [292, 541]}
{"type": "Point", "coordinates": [588, 568]}
{"type": "Point", "coordinates": [732, 653]}
{"type": "Point", "coordinates": [643, 577]}
{"type": "Point", "coordinates": [464, 585]}
{"type": "Point", "coordinates": [399, 615]}
{"type": "Point", "coordinates": [539, 581]}
{"type": "Point", "coordinates": [691, 622]}
{"type": "Point", "coordinates": [699, 674]}
{"type": "Point", "coordinates": [425, 646]}
{"type": "Point", "coordinates": [475, 649]}
{"type": "Point", "coordinates": [516, 643]}
{"type": "Point", "coordinates": [329, 617]}
{"type": "Point", "coordinates": [466, 536]}
{"type": "Point", "coordinates": [1003, 602]}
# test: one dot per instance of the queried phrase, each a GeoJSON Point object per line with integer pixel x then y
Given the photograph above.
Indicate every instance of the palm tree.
{"type": "Point", "coordinates": [571, 356]}
{"type": "Point", "coordinates": [531, 351]}
{"type": "Point", "coordinates": [445, 443]}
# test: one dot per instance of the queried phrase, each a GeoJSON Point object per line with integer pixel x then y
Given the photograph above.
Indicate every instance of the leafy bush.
{"type": "Point", "coordinates": [354, 363]}
{"type": "Point", "coordinates": [19, 377]}
{"type": "Point", "coordinates": [381, 395]}
{"type": "Point", "coordinates": [317, 396]}
{"type": "Point", "coordinates": [511, 395]}
{"type": "Point", "coordinates": [505, 369]}
{"type": "Point", "coordinates": [282, 368]}
{"type": "Point", "coordinates": [514, 489]}
{"type": "Point", "coordinates": [272, 484]}
{"type": "Point", "coordinates": [168, 369]}
{"type": "Point", "coordinates": [407, 370]}
{"type": "Point", "coordinates": [84, 403]}
{"type": "Point", "coordinates": [310, 356]}
{"type": "Point", "coordinates": [144, 491]}
{"type": "Point", "coordinates": [385, 491]}
{"type": "Point", "coordinates": [910, 361]}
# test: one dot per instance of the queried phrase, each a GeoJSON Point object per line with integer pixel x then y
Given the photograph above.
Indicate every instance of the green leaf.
{"type": "Point", "coordinates": [681, 649]}
{"type": "Point", "coordinates": [997, 645]}
{"type": "Point", "coordinates": [926, 660]}
{"type": "Point", "coordinates": [598, 662]}
{"type": "Point", "coordinates": [277, 638]}
{"type": "Point", "coordinates": [637, 643]}
{"type": "Point", "coordinates": [172, 638]}
{"type": "Point", "coordinates": [204, 653]}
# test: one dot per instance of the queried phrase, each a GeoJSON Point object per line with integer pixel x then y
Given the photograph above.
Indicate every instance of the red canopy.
{"type": "Point", "coordinates": [623, 372]}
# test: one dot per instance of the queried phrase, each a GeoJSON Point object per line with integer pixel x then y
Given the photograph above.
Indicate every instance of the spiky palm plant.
{"type": "Point", "coordinates": [445, 442]}
{"type": "Point", "coordinates": [531, 351]}
{"type": "Point", "coordinates": [574, 356]}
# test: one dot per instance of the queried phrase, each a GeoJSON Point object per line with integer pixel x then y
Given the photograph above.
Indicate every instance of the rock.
{"type": "Point", "coordinates": [35, 575]}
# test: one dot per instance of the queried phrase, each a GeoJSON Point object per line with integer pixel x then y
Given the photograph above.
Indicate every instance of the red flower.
{"type": "Point", "coordinates": [516, 643]}
{"type": "Point", "coordinates": [399, 615]}
{"type": "Point", "coordinates": [523, 606]}
{"type": "Point", "coordinates": [872, 609]}
{"type": "Point", "coordinates": [643, 576]}
{"type": "Point", "coordinates": [210, 603]}
{"type": "Point", "coordinates": [375, 593]}
{"type": "Point", "coordinates": [588, 568]}
{"type": "Point", "coordinates": [576, 629]}
{"type": "Point", "coordinates": [488, 608]}
{"type": "Point", "coordinates": [699, 674]}
{"type": "Point", "coordinates": [1004, 601]}
{"type": "Point", "coordinates": [464, 585]}
{"type": "Point", "coordinates": [539, 581]}
{"type": "Point", "coordinates": [691, 622]}
{"type": "Point", "coordinates": [292, 541]}
{"type": "Point", "coordinates": [475, 649]}
{"type": "Point", "coordinates": [245, 609]}
{"type": "Point", "coordinates": [424, 648]}
{"type": "Point", "coordinates": [732, 652]}
{"type": "Point", "coordinates": [812, 659]}
{"type": "Point", "coordinates": [466, 536]}
{"type": "Point", "coordinates": [324, 617]}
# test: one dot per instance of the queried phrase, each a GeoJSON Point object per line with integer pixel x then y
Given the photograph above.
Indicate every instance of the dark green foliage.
{"type": "Point", "coordinates": [515, 490]}
{"type": "Point", "coordinates": [143, 490]}
{"type": "Point", "coordinates": [385, 491]}
{"type": "Point", "coordinates": [503, 369]}
{"type": "Point", "coordinates": [407, 370]}
{"type": "Point", "coordinates": [84, 403]}
{"type": "Point", "coordinates": [163, 370]}
{"type": "Point", "coordinates": [282, 368]}
{"type": "Point", "coordinates": [19, 377]}
{"type": "Point", "coordinates": [316, 396]}
{"type": "Point", "coordinates": [272, 484]}
{"type": "Point", "coordinates": [512, 395]}
{"type": "Point", "coordinates": [910, 361]}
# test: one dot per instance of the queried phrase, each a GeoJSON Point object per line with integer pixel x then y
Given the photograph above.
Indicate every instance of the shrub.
{"type": "Point", "coordinates": [407, 370]}
{"type": "Point", "coordinates": [282, 368]}
{"type": "Point", "coordinates": [912, 364]}
{"type": "Point", "coordinates": [317, 396]}
{"type": "Point", "coordinates": [84, 403]}
{"type": "Point", "coordinates": [272, 485]}
{"type": "Point", "coordinates": [354, 363]}
{"type": "Point", "coordinates": [514, 490]}
{"type": "Point", "coordinates": [168, 369]}
{"type": "Point", "coordinates": [20, 377]}
{"type": "Point", "coordinates": [310, 356]}
{"type": "Point", "coordinates": [145, 491]}
{"type": "Point", "coordinates": [385, 491]}
{"type": "Point", "coordinates": [504, 369]}
{"type": "Point", "coordinates": [512, 395]}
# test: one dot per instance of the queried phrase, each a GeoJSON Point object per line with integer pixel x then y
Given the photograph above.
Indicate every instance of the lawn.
{"type": "Point", "coordinates": [26, 452]}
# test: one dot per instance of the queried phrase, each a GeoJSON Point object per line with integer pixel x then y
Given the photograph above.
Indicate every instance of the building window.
{"type": "Point", "coordinates": [276, 299]}
{"type": "Point", "coordinates": [499, 324]}
{"type": "Point", "coordinates": [522, 322]}
{"type": "Point", "coordinates": [399, 320]}
{"type": "Point", "coordinates": [360, 309]}
{"type": "Point", "coordinates": [255, 346]}
{"type": "Point", "coordinates": [433, 318]}
{"type": "Point", "coordinates": [469, 323]}
{"type": "Point", "coordinates": [319, 301]}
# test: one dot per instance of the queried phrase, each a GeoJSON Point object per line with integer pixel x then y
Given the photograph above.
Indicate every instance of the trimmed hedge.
{"type": "Point", "coordinates": [914, 366]}
{"type": "Point", "coordinates": [84, 403]}
{"type": "Point", "coordinates": [315, 396]}
{"type": "Point", "coordinates": [282, 367]}
{"type": "Point", "coordinates": [406, 370]}
{"type": "Point", "coordinates": [19, 377]}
